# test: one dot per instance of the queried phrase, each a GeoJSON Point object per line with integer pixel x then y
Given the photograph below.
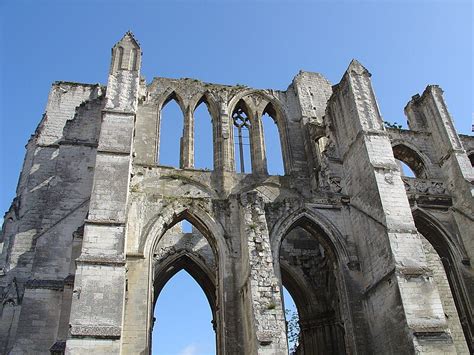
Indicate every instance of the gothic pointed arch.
{"type": "Point", "coordinates": [167, 96]}
{"type": "Point", "coordinates": [165, 266]}
{"type": "Point", "coordinates": [204, 133]}
{"type": "Point", "coordinates": [194, 266]}
{"type": "Point", "coordinates": [170, 131]}
{"type": "Point", "coordinates": [272, 106]}
{"type": "Point", "coordinates": [456, 263]}
{"type": "Point", "coordinates": [273, 140]}
{"type": "Point", "coordinates": [309, 271]}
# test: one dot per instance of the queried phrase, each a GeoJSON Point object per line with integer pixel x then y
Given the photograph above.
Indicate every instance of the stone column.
{"type": "Point", "coordinates": [187, 141]}
{"type": "Point", "coordinates": [262, 308]}
{"type": "Point", "coordinates": [224, 145]}
{"type": "Point", "coordinates": [259, 159]}
{"type": "Point", "coordinates": [403, 304]}
{"type": "Point", "coordinates": [98, 295]}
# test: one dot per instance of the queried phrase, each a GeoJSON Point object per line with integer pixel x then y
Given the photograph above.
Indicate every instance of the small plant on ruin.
{"type": "Point", "coordinates": [271, 305]}
{"type": "Point", "coordinates": [392, 125]}
{"type": "Point", "coordinates": [292, 330]}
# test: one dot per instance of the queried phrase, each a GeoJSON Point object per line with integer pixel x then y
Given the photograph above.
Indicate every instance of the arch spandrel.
{"type": "Point", "coordinates": [169, 94]}
{"type": "Point", "coordinates": [207, 98]}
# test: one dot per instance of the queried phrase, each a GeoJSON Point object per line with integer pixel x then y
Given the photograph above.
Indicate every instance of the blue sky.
{"type": "Point", "coordinates": [406, 45]}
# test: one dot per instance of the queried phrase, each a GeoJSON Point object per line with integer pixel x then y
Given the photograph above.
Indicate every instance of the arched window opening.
{"type": "Point", "coordinates": [292, 322]}
{"type": "Point", "coordinates": [183, 319]}
{"type": "Point", "coordinates": [307, 271]}
{"type": "Point", "coordinates": [412, 159]}
{"type": "Point", "coordinates": [272, 142]}
{"type": "Point", "coordinates": [170, 133]}
{"type": "Point", "coordinates": [471, 159]}
{"type": "Point", "coordinates": [203, 137]}
{"type": "Point", "coordinates": [133, 59]}
{"type": "Point", "coordinates": [405, 169]}
{"type": "Point", "coordinates": [184, 316]}
{"type": "Point", "coordinates": [450, 284]}
{"type": "Point", "coordinates": [242, 140]}
{"type": "Point", "coordinates": [118, 58]}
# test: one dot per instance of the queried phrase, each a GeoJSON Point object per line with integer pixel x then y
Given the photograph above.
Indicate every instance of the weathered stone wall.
{"type": "Point", "coordinates": [93, 234]}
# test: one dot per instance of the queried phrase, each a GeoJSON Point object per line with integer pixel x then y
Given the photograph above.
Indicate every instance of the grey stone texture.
{"type": "Point", "coordinates": [377, 263]}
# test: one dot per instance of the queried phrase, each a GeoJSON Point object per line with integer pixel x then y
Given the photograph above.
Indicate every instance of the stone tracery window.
{"type": "Point", "coordinates": [242, 124]}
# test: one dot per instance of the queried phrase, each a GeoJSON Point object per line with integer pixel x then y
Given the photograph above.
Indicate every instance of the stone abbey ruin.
{"type": "Point", "coordinates": [376, 262]}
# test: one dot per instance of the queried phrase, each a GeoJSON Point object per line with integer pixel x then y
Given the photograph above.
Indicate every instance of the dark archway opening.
{"type": "Point", "coordinates": [471, 159]}
{"type": "Point", "coordinates": [308, 273]}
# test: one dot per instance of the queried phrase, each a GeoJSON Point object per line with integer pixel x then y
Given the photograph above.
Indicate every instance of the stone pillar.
{"type": "Point", "coordinates": [98, 295]}
{"type": "Point", "coordinates": [187, 141]}
{"type": "Point", "coordinates": [262, 308]}
{"type": "Point", "coordinates": [393, 263]}
{"type": "Point", "coordinates": [224, 159]}
{"type": "Point", "coordinates": [430, 113]}
{"type": "Point", "coordinates": [259, 159]}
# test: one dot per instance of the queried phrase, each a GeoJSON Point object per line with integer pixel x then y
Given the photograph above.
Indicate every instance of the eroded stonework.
{"type": "Point", "coordinates": [377, 262]}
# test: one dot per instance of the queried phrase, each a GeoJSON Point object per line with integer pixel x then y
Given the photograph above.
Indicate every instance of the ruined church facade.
{"type": "Point", "coordinates": [376, 262]}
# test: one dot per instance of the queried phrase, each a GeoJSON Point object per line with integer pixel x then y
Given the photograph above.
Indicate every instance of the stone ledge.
{"type": "Point", "coordinates": [95, 331]}
{"type": "Point", "coordinates": [101, 260]}
{"type": "Point", "coordinates": [433, 335]}
{"type": "Point", "coordinates": [113, 152]}
{"type": "Point", "coordinates": [57, 285]}
{"type": "Point", "coordinates": [105, 222]}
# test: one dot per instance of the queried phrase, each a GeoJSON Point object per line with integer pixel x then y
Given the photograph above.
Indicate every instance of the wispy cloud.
{"type": "Point", "coordinates": [190, 349]}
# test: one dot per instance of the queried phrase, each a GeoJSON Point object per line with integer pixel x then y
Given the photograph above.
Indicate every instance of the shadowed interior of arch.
{"type": "Point", "coordinates": [184, 260]}
{"type": "Point", "coordinates": [413, 165]}
{"type": "Point", "coordinates": [307, 272]}
{"type": "Point", "coordinates": [171, 130]}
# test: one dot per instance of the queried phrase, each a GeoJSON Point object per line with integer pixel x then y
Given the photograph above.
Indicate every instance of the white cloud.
{"type": "Point", "coordinates": [191, 349]}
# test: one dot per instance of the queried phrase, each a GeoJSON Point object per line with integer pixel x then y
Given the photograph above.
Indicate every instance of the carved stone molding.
{"type": "Point", "coordinates": [96, 331]}
{"type": "Point", "coordinates": [422, 186]}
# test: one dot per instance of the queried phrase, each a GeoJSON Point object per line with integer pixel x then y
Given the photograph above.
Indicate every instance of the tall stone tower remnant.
{"type": "Point", "coordinates": [377, 262]}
